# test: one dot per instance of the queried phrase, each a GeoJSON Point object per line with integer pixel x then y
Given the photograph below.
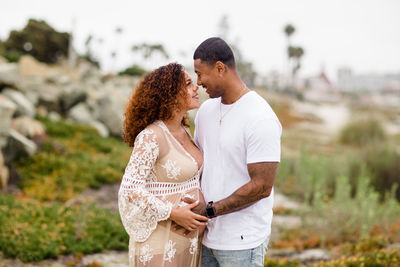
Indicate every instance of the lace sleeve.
{"type": "Point", "coordinates": [140, 210]}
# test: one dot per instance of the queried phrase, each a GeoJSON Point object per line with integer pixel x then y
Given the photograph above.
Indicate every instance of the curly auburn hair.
{"type": "Point", "coordinates": [156, 97]}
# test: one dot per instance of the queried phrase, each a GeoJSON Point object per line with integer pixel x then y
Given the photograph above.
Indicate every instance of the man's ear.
{"type": "Point", "coordinates": [221, 68]}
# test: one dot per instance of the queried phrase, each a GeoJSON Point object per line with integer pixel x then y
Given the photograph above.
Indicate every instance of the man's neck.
{"type": "Point", "coordinates": [234, 92]}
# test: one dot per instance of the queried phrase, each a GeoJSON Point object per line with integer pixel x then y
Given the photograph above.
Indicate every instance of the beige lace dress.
{"type": "Point", "coordinates": [159, 173]}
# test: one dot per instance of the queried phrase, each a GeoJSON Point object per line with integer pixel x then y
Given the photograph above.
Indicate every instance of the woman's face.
{"type": "Point", "coordinates": [192, 100]}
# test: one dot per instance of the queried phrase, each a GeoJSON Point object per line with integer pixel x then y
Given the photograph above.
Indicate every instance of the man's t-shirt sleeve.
{"type": "Point", "coordinates": [263, 141]}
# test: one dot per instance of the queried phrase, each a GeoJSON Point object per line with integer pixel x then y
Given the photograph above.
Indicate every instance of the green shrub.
{"type": "Point", "coordinates": [134, 70]}
{"type": "Point", "coordinates": [281, 263]}
{"type": "Point", "coordinates": [380, 258]}
{"type": "Point", "coordinates": [347, 218]}
{"type": "Point", "coordinates": [362, 132]}
{"type": "Point", "coordinates": [383, 162]}
{"type": "Point", "coordinates": [33, 231]}
{"type": "Point", "coordinates": [46, 44]}
{"type": "Point", "coordinates": [309, 175]}
{"type": "Point", "coordinates": [88, 160]}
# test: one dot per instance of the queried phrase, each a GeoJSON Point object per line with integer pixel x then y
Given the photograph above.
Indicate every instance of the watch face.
{"type": "Point", "coordinates": [210, 211]}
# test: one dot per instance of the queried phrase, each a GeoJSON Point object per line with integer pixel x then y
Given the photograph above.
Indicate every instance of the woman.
{"type": "Point", "coordinates": [165, 166]}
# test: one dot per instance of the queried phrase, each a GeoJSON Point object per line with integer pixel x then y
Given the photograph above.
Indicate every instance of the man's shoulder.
{"type": "Point", "coordinates": [259, 107]}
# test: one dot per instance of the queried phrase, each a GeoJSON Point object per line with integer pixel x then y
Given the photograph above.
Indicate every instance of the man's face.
{"type": "Point", "coordinates": [207, 77]}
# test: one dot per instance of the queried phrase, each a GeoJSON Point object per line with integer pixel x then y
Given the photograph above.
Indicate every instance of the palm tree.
{"type": "Point", "coordinates": [295, 52]}
{"type": "Point", "coordinates": [289, 30]}
{"type": "Point", "coordinates": [148, 50]}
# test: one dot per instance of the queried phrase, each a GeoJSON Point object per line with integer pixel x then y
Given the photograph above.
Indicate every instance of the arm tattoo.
{"type": "Point", "coordinates": [262, 180]}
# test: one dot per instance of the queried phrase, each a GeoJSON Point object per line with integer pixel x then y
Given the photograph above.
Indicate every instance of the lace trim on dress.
{"type": "Point", "coordinates": [172, 170]}
{"type": "Point", "coordinates": [170, 250]}
{"type": "Point", "coordinates": [139, 209]}
{"type": "Point", "coordinates": [165, 128]}
{"type": "Point", "coordinates": [159, 189]}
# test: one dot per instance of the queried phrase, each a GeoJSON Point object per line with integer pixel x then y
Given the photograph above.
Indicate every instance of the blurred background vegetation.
{"type": "Point", "coordinates": [345, 184]}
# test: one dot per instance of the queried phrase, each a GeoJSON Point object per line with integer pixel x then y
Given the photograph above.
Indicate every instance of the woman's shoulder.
{"type": "Point", "coordinates": [153, 130]}
{"type": "Point", "coordinates": [154, 133]}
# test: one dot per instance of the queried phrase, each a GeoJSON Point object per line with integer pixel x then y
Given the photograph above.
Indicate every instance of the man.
{"type": "Point", "coordinates": [239, 134]}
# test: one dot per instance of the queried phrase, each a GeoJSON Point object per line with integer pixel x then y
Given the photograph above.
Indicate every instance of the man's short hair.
{"type": "Point", "coordinates": [215, 49]}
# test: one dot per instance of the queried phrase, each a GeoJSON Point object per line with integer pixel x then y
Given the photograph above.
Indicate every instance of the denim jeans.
{"type": "Point", "coordinates": [253, 257]}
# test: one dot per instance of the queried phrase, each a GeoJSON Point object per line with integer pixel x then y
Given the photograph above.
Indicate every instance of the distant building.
{"type": "Point", "coordinates": [319, 88]}
{"type": "Point", "coordinates": [349, 82]}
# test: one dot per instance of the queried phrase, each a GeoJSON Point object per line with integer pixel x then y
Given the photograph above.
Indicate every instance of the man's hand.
{"type": "Point", "coordinates": [186, 218]}
{"type": "Point", "coordinates": [199, 209]}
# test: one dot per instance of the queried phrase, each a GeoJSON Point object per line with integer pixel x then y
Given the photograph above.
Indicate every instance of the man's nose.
{"type": "Point", "coordinates": [199, 82]}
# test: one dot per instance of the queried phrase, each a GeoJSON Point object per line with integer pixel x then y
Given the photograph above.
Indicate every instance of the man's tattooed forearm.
{"type": "Point", "coordinates": [260, 186]}
{"type": "Point", "coordinates": [243, 197]}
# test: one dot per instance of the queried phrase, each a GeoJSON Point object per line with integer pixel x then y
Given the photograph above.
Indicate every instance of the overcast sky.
{"type": "Point", "coordinates": [361, 34]}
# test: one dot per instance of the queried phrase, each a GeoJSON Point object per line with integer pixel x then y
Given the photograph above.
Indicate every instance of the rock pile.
{"type": "Point", "coordinates": [82, 94]}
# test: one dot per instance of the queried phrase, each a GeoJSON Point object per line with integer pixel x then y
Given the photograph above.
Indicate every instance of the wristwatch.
{"type": "Point", "coordinates": [210, 210]}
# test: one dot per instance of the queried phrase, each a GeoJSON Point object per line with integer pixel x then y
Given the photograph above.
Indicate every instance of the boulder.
{"type": "Point", "coordinates": [28, 127]}
{"type": "Point", "coordinates": [100, 127]}
{"type": "Point", "coordinates": [41, 111]}
{"type": "Point", "coordinates": [24, 106]}
{"type": "Point", "coordinates": [110, 112]}
{"type": "Point", "coordinates": [18, 146]}
{"type": "Point", "coordinates": [9, 74]}
{"type": "Point", "coordinates": [110, 105]}
{"type": "Point", "coordinates": [4, 173]}
{"type": "Point", "coordinates": [7, 109]}
{"type": "Point", "coordinates": [49, 96]}
{"type": "Point", "coordinates": [29, 66]}
{"type": "Point", "coordinates": [312, 255]}
{"type": "Point", "coordinates": [80, 113]}
{"type": "Point", "coordinates": [54, 116]}
{"type": "Point", "coordinates": [72, 97]}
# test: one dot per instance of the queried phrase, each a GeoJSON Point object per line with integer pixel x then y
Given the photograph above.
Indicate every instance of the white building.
{"type": "Point", "coordinates": [349, 82]}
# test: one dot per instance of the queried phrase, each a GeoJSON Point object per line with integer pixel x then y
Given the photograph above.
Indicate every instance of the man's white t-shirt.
{"type": "Point", "coordinates": [250, 132]}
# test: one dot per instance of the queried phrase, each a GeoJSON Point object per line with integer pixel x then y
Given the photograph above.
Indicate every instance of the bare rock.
{"type": "Point", "coordinates": [312, 255]}
{"type": "Point", "coordinates": [7, 109]}
{"type": "Point", "coordinates": [24, 106]}
{"type": "Point", "coordinates": [108, 259]}
{"type": "Point", "coordinates": [4, 173]}
{"type": "Point", "coordinates": [28, 126]}
{"type": "Point", "coordinates": [71, 98]}
{"type": "Point", "coordinates": [80, 113]}
{"type": "Point", "coordinates": [19, 146]}
{"type": "Point", "coordinates": [288, 222]}
{"type": "Point", "coordinates": [285, 202]}
{"type": "Point", "coordinates": [110, 112]}
{"type": "Point", "coordinates": [54, 116]}
{"type": "Point", "coordinates": [41, 111]}
{"type": "Point", "coordinates": [29, 66]}
{"type": "Point", "coordinates": [100, 127]}
{"type": "Point", "coordinates": [9, 73]}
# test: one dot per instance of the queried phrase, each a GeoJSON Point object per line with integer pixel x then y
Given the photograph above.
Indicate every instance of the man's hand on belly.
{"type": "Point", "coordinates": [199, 209]}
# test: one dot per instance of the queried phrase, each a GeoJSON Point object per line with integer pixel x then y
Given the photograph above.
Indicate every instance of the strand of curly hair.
{"type": "Point", "coordinates": [156, 97]}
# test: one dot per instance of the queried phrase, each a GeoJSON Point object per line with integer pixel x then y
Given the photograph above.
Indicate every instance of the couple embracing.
{"type": "Point", "coordinates": [205, 200]}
